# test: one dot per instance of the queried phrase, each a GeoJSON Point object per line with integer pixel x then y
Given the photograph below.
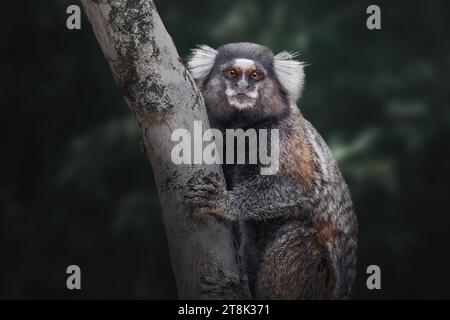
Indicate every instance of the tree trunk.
{"type": "Point", "coordinates": [163, 97]}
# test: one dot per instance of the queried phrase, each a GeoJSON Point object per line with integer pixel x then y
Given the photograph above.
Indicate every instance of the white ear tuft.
{"type": "Point", "coordinates": [201, 61]}
{"type": "Point", "coordinates": [290, 73]}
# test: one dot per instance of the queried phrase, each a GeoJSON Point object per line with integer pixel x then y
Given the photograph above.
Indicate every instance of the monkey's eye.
{"type": "Point", "coordinates": [230, 73]}
{"type": "Point", "coordinates": [256, 75]}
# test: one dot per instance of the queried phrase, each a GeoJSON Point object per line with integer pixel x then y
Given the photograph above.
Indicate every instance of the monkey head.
{"type": "Point", "coordinates": [245, 82]}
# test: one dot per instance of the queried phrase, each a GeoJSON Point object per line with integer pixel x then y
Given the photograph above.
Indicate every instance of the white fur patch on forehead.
{"type": "Point", "coordinates": [244, 63]}
{"type": "Point", "coordinates": [201, 61]}
{"type": "Point", "coordinates": [290, 73]}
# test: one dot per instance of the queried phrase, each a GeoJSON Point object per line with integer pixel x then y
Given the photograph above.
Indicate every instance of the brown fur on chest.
{"type": "Point", "coordinates": [297, 158]}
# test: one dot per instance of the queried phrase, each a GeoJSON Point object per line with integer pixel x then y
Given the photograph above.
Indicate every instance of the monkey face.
{"type": "Point", "coordinates": [241, 93]}
{"type": "Point", "coordinates": [244, 82]}
{"type": "Point", "coordinates": [243, 78]}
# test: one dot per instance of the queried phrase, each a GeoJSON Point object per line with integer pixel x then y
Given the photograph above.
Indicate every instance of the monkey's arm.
{"type": "Point", "coordinates": [263, 198]}
{"type": "Point", "coordinates": [268, 197]}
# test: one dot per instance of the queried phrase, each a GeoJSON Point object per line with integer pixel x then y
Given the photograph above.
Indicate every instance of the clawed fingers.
{"type": "Point", "coordinates": [206, 196]}
{"type": "Point", "coordinates": [212, 180]}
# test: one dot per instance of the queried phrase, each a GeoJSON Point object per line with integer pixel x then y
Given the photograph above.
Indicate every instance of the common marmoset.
{"type": "Point", "coordinates": [297, 228]}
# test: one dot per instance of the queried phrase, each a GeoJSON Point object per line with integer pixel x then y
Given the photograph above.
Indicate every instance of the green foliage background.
{"type": "Point", "coordinates": [76, 189]}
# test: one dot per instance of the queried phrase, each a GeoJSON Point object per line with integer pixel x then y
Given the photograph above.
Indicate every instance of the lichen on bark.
{"type": "Point", "coordinates": [162, 96]}
{"type": "Point", "coordinates": [132, 27]}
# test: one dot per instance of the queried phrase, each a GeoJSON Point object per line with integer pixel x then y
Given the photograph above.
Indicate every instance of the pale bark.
{"type": "Point", "coordinates": [163, 97]}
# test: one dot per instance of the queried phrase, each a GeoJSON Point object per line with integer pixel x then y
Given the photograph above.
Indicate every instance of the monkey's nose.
{"type": "Point", "coordinates": [242, 84]}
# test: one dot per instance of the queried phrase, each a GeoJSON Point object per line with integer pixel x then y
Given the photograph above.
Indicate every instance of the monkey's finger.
{"type": "Point", "coordinates": [205, 188]}
{"type": "Point", "coordinates": [213, 181]}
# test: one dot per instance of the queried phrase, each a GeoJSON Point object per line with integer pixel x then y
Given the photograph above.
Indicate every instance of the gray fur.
{"type": "Point", "coordinates": [297, 229]}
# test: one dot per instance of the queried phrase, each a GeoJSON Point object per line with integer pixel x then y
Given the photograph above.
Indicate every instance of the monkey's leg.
{"type": "Point", "coordinates": [295, 267]}
{"type": "Point", "coordinates": [224, 287]}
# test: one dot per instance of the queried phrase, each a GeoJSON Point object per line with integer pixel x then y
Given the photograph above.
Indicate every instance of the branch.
{"type": "Point", "coordinates": [163, 97]}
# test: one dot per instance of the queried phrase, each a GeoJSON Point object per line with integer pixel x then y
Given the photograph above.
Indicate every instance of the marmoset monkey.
{"type": "Point", "coordinates": [297, 228]}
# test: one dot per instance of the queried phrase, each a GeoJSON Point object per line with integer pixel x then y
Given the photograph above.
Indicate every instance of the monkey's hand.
{"type": "Point", "coordinates": [207, 196]}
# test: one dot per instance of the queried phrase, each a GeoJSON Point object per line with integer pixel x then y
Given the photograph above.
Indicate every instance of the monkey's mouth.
{"type": "Point", "coordinates": [242, 96]}
{"type": "Point", "coordinates": [241, 100]}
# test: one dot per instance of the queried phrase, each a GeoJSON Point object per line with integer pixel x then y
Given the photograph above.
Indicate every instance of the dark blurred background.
{"type": "Point", "coordinates": [76, 189]}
